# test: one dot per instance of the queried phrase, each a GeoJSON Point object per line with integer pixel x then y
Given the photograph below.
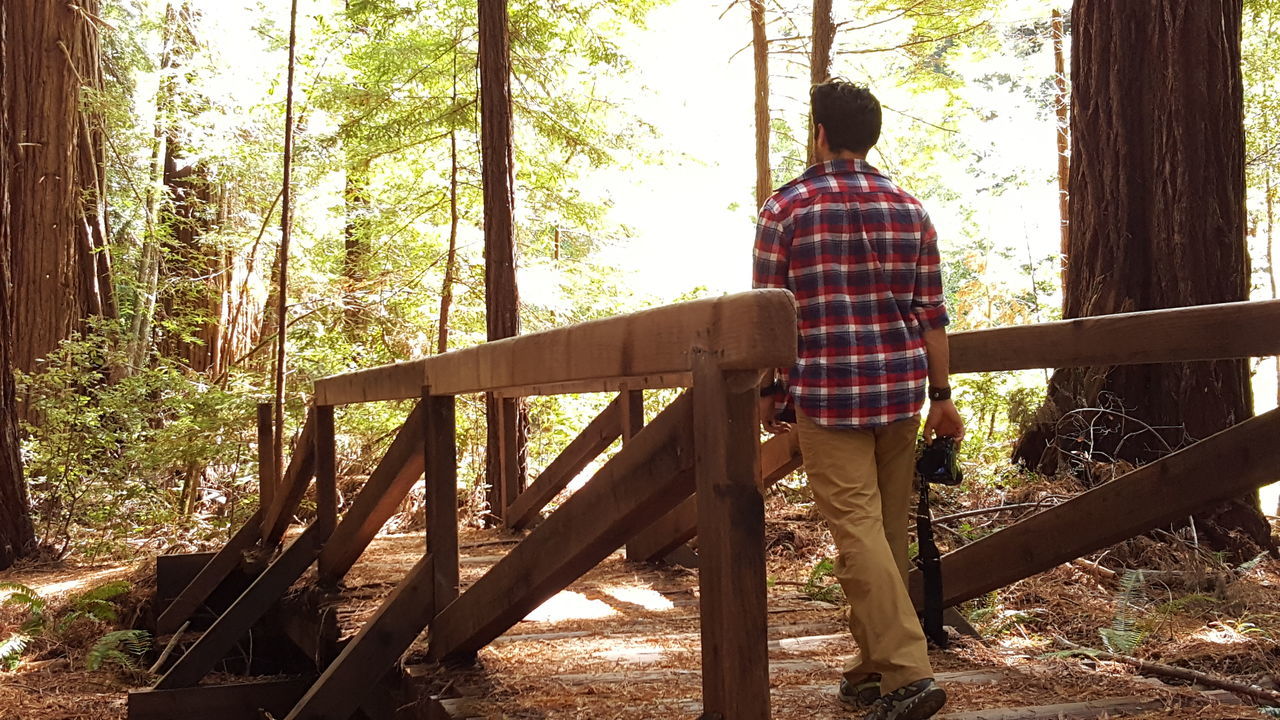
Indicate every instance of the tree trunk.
{"type": "Point", "coordinates": [760, 46]}
{"type": "Point", "coordinates": [355, 247]}
{"type": "Point", "coordinates": [502, 303]}
{"type": "Point", "coordinates": [17, 536]}
{"type": "Point", "coordinates": [51, 52]}
{"type": "Point", "coordinates": [451, 259]}
{"type": "Point", "coordinates": [1061, 106]}
{"type": "Point", "coordinates": [824, 36]}
{"type": "Point", "coordinates": [1157, 220]}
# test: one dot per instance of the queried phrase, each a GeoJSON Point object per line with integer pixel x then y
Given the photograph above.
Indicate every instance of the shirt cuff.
{"type": "Point", "coordinates": [932, 317]}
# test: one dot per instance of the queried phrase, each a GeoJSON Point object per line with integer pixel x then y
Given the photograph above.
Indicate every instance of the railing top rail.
{"type": "Point", "coordinates": [1221, 331]}
{"type": "Point", "coordinates": [748, 331]}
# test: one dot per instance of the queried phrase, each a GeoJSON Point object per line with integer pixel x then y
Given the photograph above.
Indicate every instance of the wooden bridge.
{"type": "Point", "coordinates": [697, 469]}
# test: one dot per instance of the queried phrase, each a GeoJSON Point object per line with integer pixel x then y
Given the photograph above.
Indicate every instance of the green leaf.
{"type": "Point", "coordinates": [121, 647]}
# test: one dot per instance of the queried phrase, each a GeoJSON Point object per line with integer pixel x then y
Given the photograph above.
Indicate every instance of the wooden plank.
{"type": "Point", "coordinates": [510, 478]}
{"type": "Point", "coordinates": [1226, 465]}
{"type": "Point", "coordinates": [602, 385]}
{"type": "Point", "coordinates": [645, 479]}
{"type": "Point", "coordinates": [290, 489]}
{"type": "Point", "coordinates": [1205, 332]}
{"type": "Point", "coordinates": [377, 501]}
{"type": "Point", "coordinates": [175, 572]}
{"type": "Point", "coordinates": [392, 629]}
{"type": "Point", "coordinates": [441, 450]}
{"type": "Point", "coordinates": [751, 330]}
{"type": "Point", "coordinates": [632, 412]}
{"type": "Point", "coordinates": [267, 480]}
{"type": "Point", "coordinates": [326, 471]}
{"type": "Point", "coordinates": [210, 577]}
{"type": "Point", "coordinates": [215, 642]}
{"type": "Point", "coordinates": [779, 457]}
{"type": "Point", "coordinates": [593, 440]}
{"type": "Point", "coordinates": [731, 567]}
{"type": "Point", "coordinates": [241, 701]}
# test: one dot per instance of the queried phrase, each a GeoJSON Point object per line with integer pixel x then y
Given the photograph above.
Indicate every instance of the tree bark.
{"type": "Point", "coordinates": [1157, 220]}
{"type": "Point", "coordinates": [824, 37]}
{"type": "Point", "coordinates": [51, 52]}
{"type": "Point", "coordinates": [17, 536]}
{"type": "Point", "coordinates": [502, 302]}
{"type": "Point", "coordinates": [760, 47]}
{"type": "Point", "coordinates": [355, 248]}
{"type": "Point", "coordinates": [1061, 107]}
{"type": "Point", "coordinates": [451, 259]}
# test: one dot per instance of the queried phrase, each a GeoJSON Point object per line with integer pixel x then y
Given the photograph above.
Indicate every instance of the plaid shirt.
{"type": "Point", "coordinates": [861, 258]}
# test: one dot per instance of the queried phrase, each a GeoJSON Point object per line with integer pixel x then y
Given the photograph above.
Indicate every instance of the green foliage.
{"type": "Point", "coordinates": [820, 584]}
{"type": "Point", "coordinates": [1125, 635]}
{"type": "Point", "coordinates": [122, 647]}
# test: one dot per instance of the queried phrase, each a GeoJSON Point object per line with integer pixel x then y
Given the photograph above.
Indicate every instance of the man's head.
{"type": "Point", "coordinates": [846, 118]}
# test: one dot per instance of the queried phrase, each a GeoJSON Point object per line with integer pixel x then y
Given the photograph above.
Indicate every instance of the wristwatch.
{"type": "Point", "coordinates": [939, 393]}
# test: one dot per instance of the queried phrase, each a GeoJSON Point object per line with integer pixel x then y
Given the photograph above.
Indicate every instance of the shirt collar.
{"type": "Point", "coordinates": [832, 167]}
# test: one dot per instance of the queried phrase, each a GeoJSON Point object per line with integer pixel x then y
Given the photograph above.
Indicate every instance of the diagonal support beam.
{"type": "Point", "coordinates": [648, 477]}
{"type": "Point", "coordinates": [223, 635]}
{"type": "Point", "coordinates": [374, 651]}
{"type": "Point", "coordinates": [210, 577]}
{"type": "Point", "coordinates": [593, 440]}
{"type": "Point", "coordinates": [377, 501]}
{"type": "Point", "coordinates": [1234, 461]}
{"type": "Point", "coordinates": [779, 457]}
{"type": "Point", "coordinates": [291, 488]}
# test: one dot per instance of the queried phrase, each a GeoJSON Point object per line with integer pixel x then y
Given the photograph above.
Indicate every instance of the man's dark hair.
{"type": "Point", "coordinates": [849, 112]}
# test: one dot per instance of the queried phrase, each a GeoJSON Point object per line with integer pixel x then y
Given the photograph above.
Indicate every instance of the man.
{"type": "Point", "coordinates": [861, 258]}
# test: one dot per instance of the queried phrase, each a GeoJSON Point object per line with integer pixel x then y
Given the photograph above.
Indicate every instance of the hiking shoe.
{"type": "Point", "coordinates": [862, 695]}
{"type": "Point", "coordinates": [917, 701]}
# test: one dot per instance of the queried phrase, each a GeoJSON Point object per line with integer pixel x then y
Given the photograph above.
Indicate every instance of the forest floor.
{"type": "Point", "coordinates": [622, 642]}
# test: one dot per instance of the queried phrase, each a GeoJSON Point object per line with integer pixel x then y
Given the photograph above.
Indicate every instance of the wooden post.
{"type": "Point", "coordinates": [632, 412]}
{"type": "Point", "coordinates": [508, 485]}
{"type": "Point", "coordinates": [326, 472]}
{"type": "Point", "coordinates": [735, 658]}
{"type": "Point", "coordinates": [267, 480]}
{"type": "Point", "coordinates": [441, 453]}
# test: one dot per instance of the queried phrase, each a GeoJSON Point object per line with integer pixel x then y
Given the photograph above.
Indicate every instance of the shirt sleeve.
{"type": "Point", "coordinates": [772, 249]}
{"type": "Point", "coordinates": [929, 303]}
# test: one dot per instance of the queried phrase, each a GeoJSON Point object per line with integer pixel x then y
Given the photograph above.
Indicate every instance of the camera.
{"type": "Point", "coordinates": [939, 462]}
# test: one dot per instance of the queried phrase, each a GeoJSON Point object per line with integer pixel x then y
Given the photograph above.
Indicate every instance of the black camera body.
{"type": "Point", "coordinates": [939, 462]}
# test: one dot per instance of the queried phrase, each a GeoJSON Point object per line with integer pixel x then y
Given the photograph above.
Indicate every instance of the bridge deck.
{"type": "Point", "coordinates": [622, 642]}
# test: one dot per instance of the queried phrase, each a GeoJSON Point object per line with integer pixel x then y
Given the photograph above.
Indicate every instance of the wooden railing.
{"type": "Point", "coordinates": [706, 444]}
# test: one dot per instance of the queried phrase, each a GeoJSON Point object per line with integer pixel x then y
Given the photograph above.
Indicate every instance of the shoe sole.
{"type": "Point", "coordinates": [922, 706]}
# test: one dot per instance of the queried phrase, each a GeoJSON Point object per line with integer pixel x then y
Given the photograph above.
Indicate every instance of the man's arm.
{"type": "Point", "coordinates": [929, 306]}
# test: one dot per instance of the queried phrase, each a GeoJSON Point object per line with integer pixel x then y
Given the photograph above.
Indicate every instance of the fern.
{"type": "Point", "coordinates": [1124, 636]}
{"type": "Point", "coordinates": [817, 589]}
{"type": "Point", "coordinates": [121, 647]}
{"type": "Point", "coordinates": [104, 592]}
{"type": "Point", "coordinates": [11, 650]}
{"type": "Point", "coordinates": [22, 595]}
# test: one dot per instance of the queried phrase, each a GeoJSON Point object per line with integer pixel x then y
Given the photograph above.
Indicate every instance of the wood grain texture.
{"type": "Point", "coordinates": [210, 577]}
{"type": "Point", "coordinates": [587, 446]}
{"type": "Point", "coordinates": [751, 331]}
{"type": "Point", "coordinates": [348, 680]}
{"type": "Point", "coordinates": [731, 566]}
{"type": "Point", "coordinates": [576, 387]}
{"type": "Point", "coordinates": [645, 479]}
{"type": "Point", "coordinates": [267, 480]}
{"type": "Point", "coordinates": [241, 701]}
{"type": "Point", "coordinates": [215, 642]}
{"type": "Point", "coordinates": [441, 450]}
{"type": "Point", "coordinates": [377, 501]}
{"type": "Point", "coordinates": [1234, 461]}
{"type": "Point", "coordinates": [290, 489]}
{"type": "Point", "coordinates": [1205, 332]}
{"type": "Point", "coordinates": [326, 471]}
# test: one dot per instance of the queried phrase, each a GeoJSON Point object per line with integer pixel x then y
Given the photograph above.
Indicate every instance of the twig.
{"type": "Point", "coordinates": [1172, 671]}
{"type": "Point", "coordinates": [989, 510]}
{"type": "Point", "coordinates": [1093, 567]}
{"type": "Point", "coordinates": [168, 649]}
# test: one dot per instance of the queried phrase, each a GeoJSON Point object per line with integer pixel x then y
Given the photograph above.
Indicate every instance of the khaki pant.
{"type": "Point", "coordinates": [861, 482]}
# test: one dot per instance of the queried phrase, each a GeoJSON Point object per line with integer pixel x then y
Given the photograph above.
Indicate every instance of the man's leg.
{"type": "Point", "coordinates": [895, 470]}
{"type": "Point", "coordinates": [841, 465]}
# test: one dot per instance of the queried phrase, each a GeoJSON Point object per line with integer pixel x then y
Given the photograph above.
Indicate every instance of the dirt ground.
{"type": "Point", "coordinates": [622, 642]}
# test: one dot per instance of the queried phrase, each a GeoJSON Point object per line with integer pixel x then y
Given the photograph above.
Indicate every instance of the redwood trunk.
{"type": "Point", "coordinates": [1061, 107]}
{"type": "Point", "coordinates": [760, 46]}
{"type": "Point", "coordinates": [501, 296]}
{"type": "Point", "coordinates": [51, 47]}
{"type": "Point", "coordinates": [1157, 220]}
{"type": "Point", "coordinates": [17, 537]}
{"type": "Point", "coordinates": [824, 36]}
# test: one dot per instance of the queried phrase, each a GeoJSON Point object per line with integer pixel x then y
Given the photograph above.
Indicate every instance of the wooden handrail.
{"type": "Point", "coordinates": [1203, 332]}
{"type": "Point", "coordinates": [747, 331]}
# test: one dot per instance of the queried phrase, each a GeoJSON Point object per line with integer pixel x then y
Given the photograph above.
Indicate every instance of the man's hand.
{"type": "Point", "coordinates": [944, 420]}
{"type": "Point", "coordinates": [769, 417]}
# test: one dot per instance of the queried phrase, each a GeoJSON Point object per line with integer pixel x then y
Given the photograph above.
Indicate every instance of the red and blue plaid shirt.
{"type": "Point", "coordinates": [861, 258]}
